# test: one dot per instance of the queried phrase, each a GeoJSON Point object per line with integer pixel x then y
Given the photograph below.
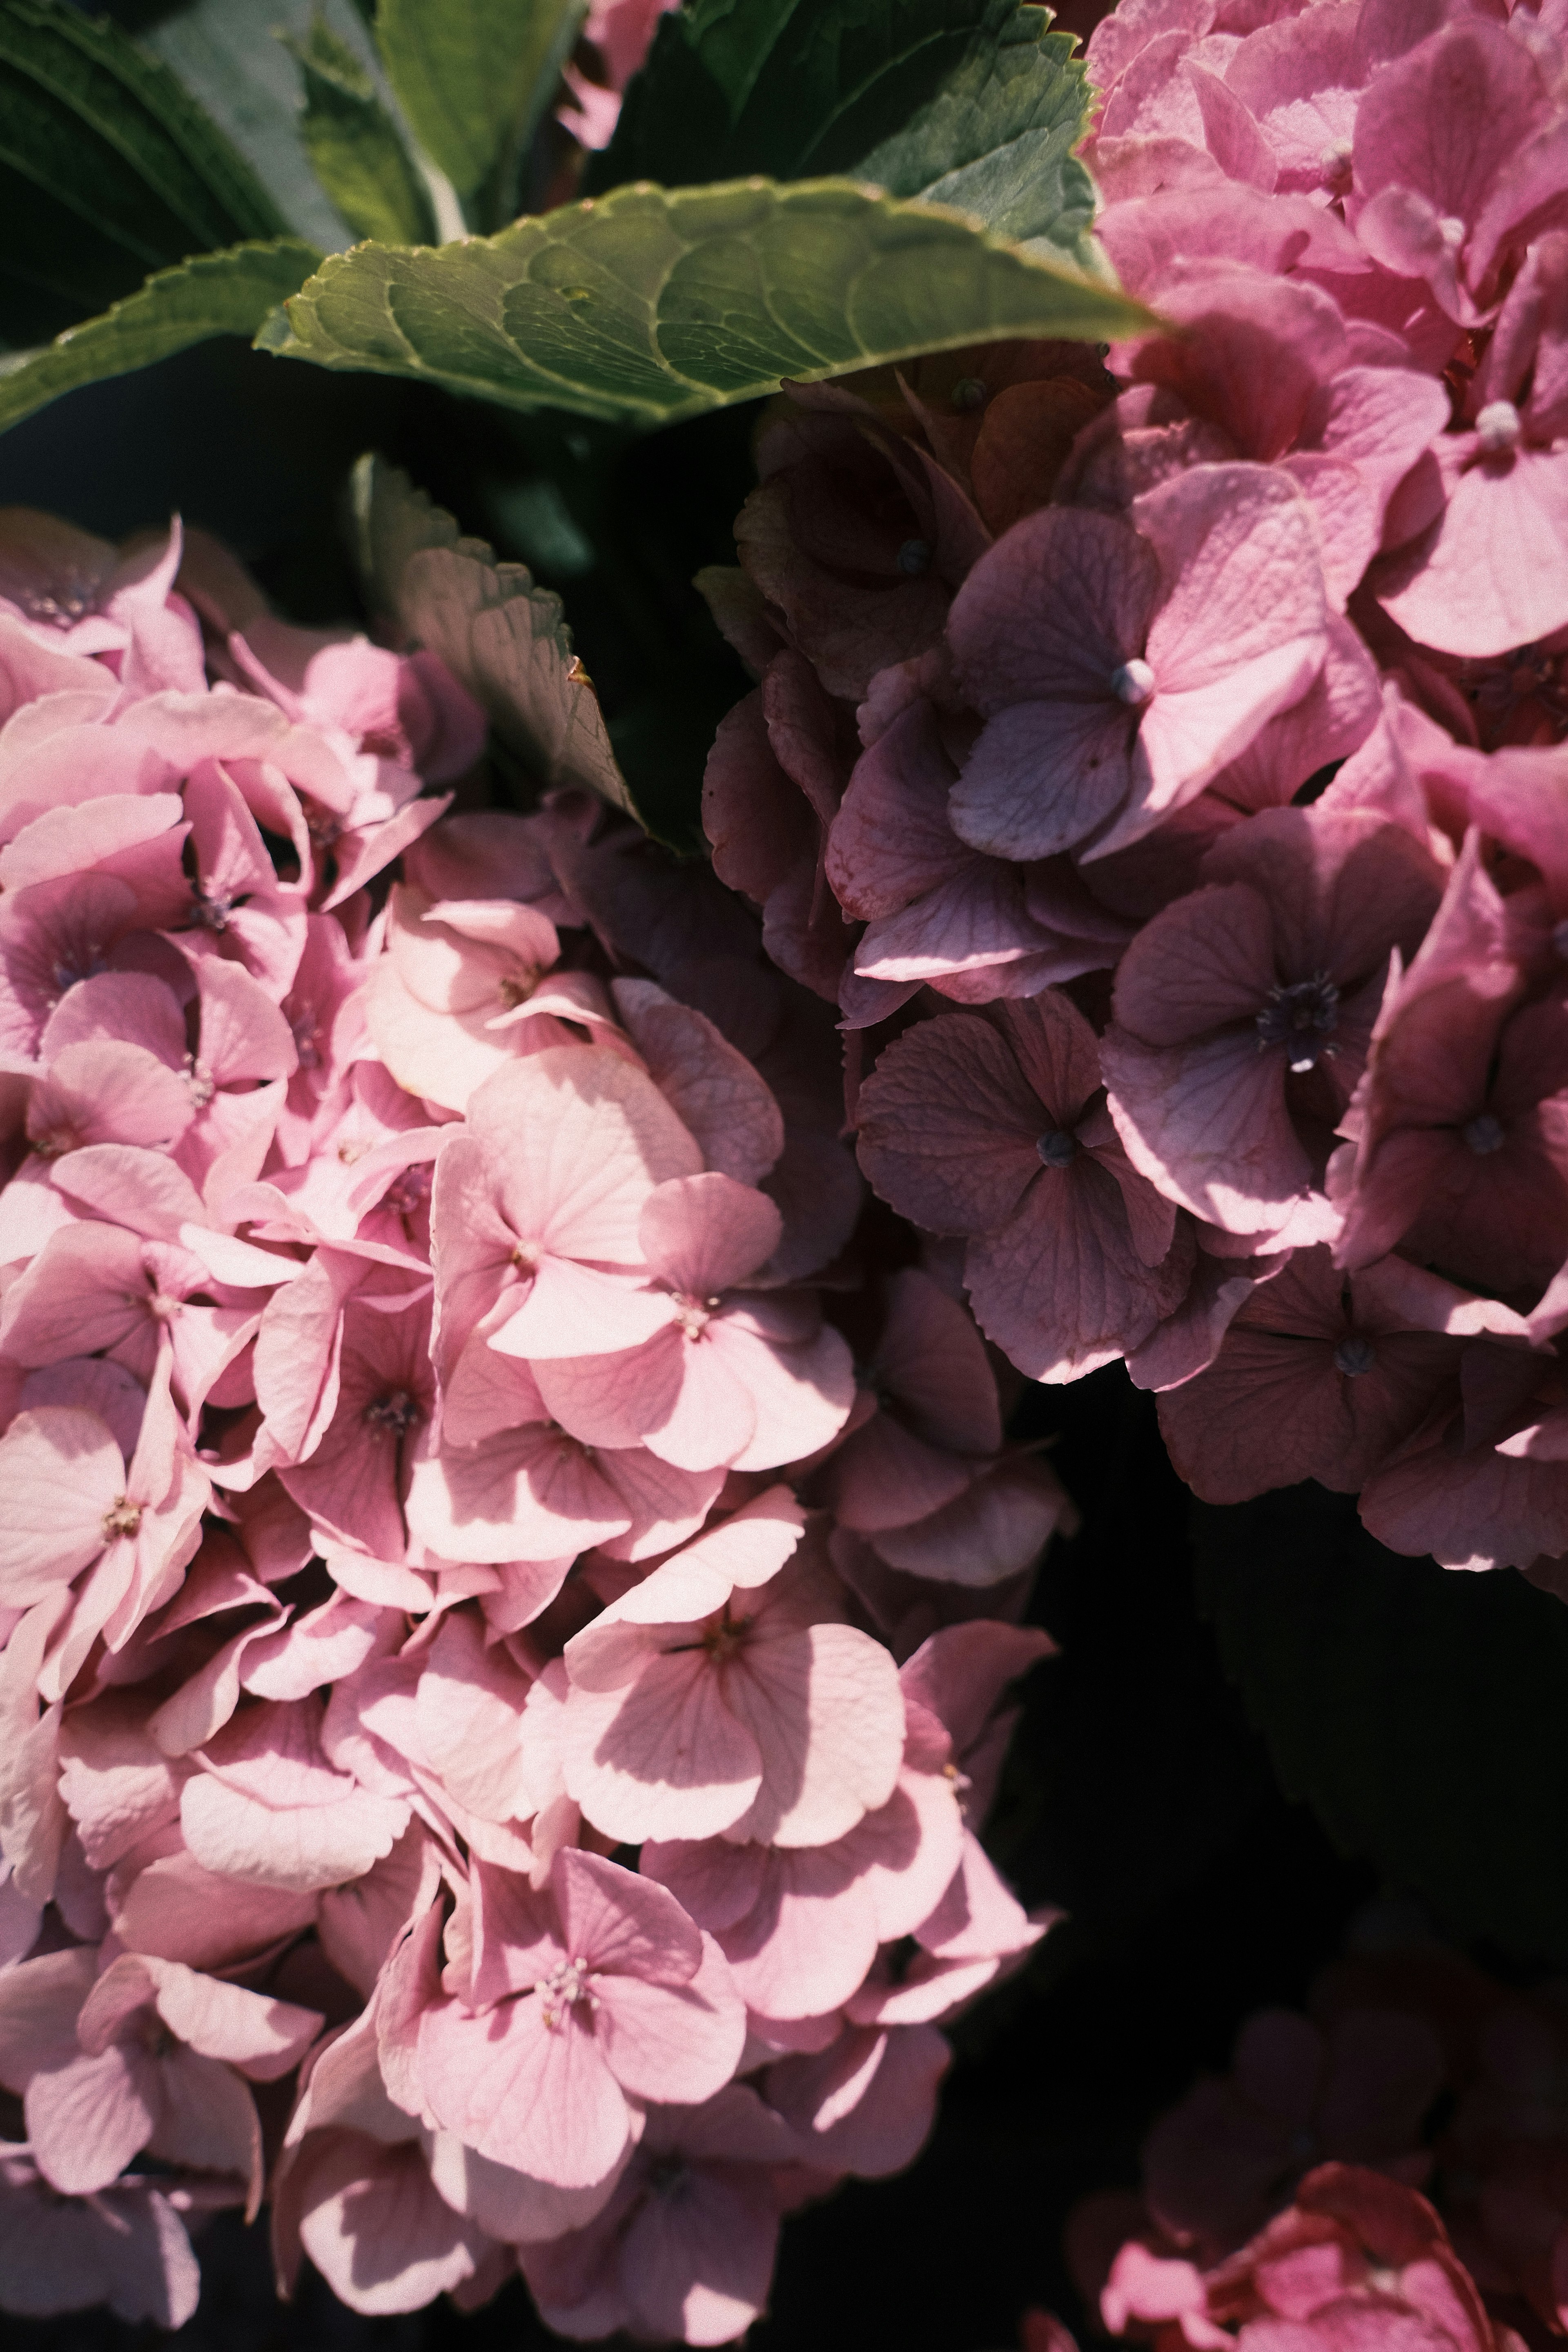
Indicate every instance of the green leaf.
{"type": "Point", "coordinates": [473, 77]}
{"type": "Point", "coordinates": [966, 102]}
{"type": "Point", "coordinates": [212, 294]}
{"type": "Point", "coordinates": [228, 56]}
{"type": "Point", "coordinates": [108, 167]}
{"type": "Point", "coordinates": [496, 632]}
{"type": "Point", "coordinates": [997, 141]}
{"type": "Point", "coordinates": [656, 304]}
{"type": "Point", "coordinates": [354, 147]}
{"type": "Point", "coordinates": [1418, 1710]}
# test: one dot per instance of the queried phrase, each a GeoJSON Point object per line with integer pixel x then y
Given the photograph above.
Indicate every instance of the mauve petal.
{"type": "Point", "coordinates": [375, 2227]}
{"type": "Point", "coordinates": [523, 2092]}
{"type": "Point", "coordinates": [1487, 576]}
{"type": "Point", "coordinates": [706, 1234]}
{"type": "Point", "coordinates": [581, 1137]}
{"type": "Point", "coordinates": [1060, 1289]}
{"type": "Point", "coordinates": [1342, 887]}
{"type": "Point", "coordinates": [207, 2119]}
{"type": "Point", "coordinates": [566, 1303]}
{"type": "Point", "coordinates": [826, 1711]}
{"type": "Point", "coordinates": [890, 841]}
{"type": "Point", "coordinates": [88, 2119]}
{"type": "Point", "coordinates": [527, 1494]}
{"type": "Point", "coordinates": [1207, 1123]}
{"type": "Point", "coordinates": [622, 1925]}
{"type": "Point", "coordinates": [1058, 604]}
{"type": "Point", "coordinates": [712, 1089]}
{"type": "Point", "coordinates": [682, 2042]}
{"type": "Point", "coordinates": [1205, 962]}
{"type": "Point", "coordinates": [609, 1399]}
{"type": "Point", "coordinates": [949, 1127]}
{"type": "Point", "coordinates": [699, 2269]}
{"type": "Point", "coordinates": [1044, 776]}
{"type": "Point", "coordinates": [60, 1472]}
{"type": "Point", "coordinates": [667, 1757]}
{"type": "Point", "coordinates": [713, 1416]}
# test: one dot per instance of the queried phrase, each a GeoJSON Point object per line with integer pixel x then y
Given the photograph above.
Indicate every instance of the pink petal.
{"type": "Point", "coordinates": [706, 1234]}
{"type": "Point", "coordinates": [61, 1473]}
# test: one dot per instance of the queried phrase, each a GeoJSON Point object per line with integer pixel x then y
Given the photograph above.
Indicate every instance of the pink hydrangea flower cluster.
{"type": "Point", "coordinates": [456, 1433]}
{"type": "Point", "coordinates": [1392, 2168]}
{"type": "Point", "coordinates": [1161, 766]}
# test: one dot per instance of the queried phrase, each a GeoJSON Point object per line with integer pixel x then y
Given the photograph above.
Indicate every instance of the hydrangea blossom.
{"type": "Point", "coordinates": [423, 1432]}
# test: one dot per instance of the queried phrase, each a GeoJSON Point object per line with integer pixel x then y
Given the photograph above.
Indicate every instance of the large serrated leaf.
{"type": "Point", "coordinates": [1418, 1710]}
{"type": "Point", "coordinates": [973, 103]}
{"type": "Point", "coordinates": [473, 77]}
{"type": "Point", "coordinates": [108, 167]}
{"type": "Point", "coordinates": [997, 141]}
{"type": "Point", "coordinates": [496, 631]}
{"type": "Point", "coordinates": [656, 304]}
{"type": "Point", "coordinates": [212, 294]}
{"type": "Point", "coordinates": [353, 144]}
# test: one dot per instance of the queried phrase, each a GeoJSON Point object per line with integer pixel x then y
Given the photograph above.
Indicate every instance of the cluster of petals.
{"type": "Point", "coordinates": [1391, 2169]}
{"type": "Point", "coordinates": [457, 1427]}
{"type": "Point", "coordinates": [1159, 758]}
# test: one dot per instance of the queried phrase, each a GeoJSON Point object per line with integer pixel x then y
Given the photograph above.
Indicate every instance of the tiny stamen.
{"type": "Point", "coordinates": [396, 1412]}
{"type": "Point", "coordinates": [121, 1518]}
{"type": "Point", "coordinates": [1354, 1356]}
{"type": "Point", "coordinates": [914, 557]}
{"type": "Point", "coordinates": [1301, 1018]}
{"type": "Point", "coordinates": [1497, 428]}
{"type": "Point", "coordinates": [1134, 683]}
{"type": "Point", "coordinates": [1055, 1147]}
{"type": "Point", "coordinates": [1483, 1135]}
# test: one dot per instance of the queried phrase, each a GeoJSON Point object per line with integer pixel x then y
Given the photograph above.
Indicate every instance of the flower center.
{"type": "Point", "coordinates": [1134, 684]}
{"type": "Point", "coordinates": [121, 1518]}
{"type": "Point", "coordinates": [561, 1989]}
{"type": "Point", "coordinates": [1301, 1018]}
{"type": "Point", "coordinates": [1055, 1147]}
{"type": "Point", "coordinates": [693, 1314]}
{"type": "Point", "coordinates": [914, 557]}
{"type": "Point", "coordinates": [670, 2176]}
{"type": "Point", "coordinates": [724, 1639]}
{"type": "Point", "coordinates": [1452, 232]}
{"type": "Point", "coordinates": [1336, 160]}
{"type": "Point", "coordinates": [395, 1410]}
{"type": "Point", "coordinates": [88, 964]}
{"type": "Point", "coordinates": [211, 911]}
{"type": "Point", "coordinates": [408, 1192]}
{"type": "Point", "coordinates": [201, 1082]}
{"type": "Point", "coordinates": [1483, 1135]}
{"type": "Point", "coordinates": [1354, 1356]}
{"type": "Point", "coordinates": [515, 987]}
{"type": "Point", "coordinates": [968, 394]}
{"type": "Point", "coordinates": [1497, 427]}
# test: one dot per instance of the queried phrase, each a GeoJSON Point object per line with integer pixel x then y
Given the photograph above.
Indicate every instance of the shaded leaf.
{"type": "Point", "coordinates": [654, 304]}
{"type": "Point", "coordinates": [500, 634]}
{"type": "Point", "coordinates": [354, 147]}
{"type": "Point", "coordinates": [1418, 1710]}
{"type": "Point", "coordinates": [108, 168]}
{"type": "Point", "coordinates": [973, 103]}
{"type": "Point", "coordinates": [473, 77]}
{"type": "Point", "coordinates": [997, 141]}
{"type": "Point", "coordinates": [228, 56]}
{"type": "Point", "coordinates": [212, 294]}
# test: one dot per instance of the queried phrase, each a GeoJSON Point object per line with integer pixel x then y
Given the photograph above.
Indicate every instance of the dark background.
{"type": "Point", "coordinates": [1136, 1799]}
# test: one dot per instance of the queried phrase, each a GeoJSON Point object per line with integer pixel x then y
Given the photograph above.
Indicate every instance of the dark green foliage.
{"type": "Point", "coordinates": [109, 169]}
{"type": "Point", "coordinates": [912, 94]}
{"type": "Point", "coordinates": [354, 147]}
{"type": "Point", "coordinates": [1418, 1710]}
